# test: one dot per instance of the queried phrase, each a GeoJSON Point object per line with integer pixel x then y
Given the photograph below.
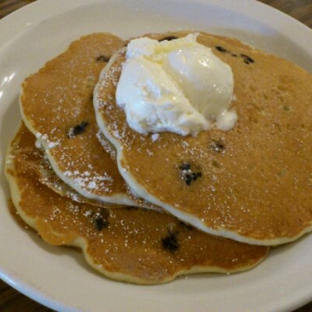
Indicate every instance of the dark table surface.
{"type": "Point", "coordinates": [10, 299]}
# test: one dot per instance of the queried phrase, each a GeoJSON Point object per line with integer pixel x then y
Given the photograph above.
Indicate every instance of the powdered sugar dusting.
{"type": "Point", "coordinates": [108, 147]}
{"type": "Point", "coordinates": [88, 182]}
{"type": "Point", "coordinates": [62, 118]}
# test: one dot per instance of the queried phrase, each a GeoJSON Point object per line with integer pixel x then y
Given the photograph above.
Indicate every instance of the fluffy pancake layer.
{"type": "Point", "coordinates": [127, 244]}
{"type": "Point", "coordinates": [253, 183]}
{"type": "Point", "coordinates": [56, 105]}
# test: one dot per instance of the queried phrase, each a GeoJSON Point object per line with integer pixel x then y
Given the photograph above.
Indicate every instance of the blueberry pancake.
{"type": "Point", "coordinates": [56, 105]}
{"type": "Point", "coordinates": [127, 244]}
{"type": "Point", "coordinates": [37, 160]}
{"type": "Point", "coordinates": [251, 183]}
{"type": "Point", "coordinates": [32, 156]}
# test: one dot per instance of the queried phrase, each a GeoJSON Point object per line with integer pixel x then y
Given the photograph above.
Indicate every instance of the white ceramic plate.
{"type": "Point", "coordinates": [59, 277]}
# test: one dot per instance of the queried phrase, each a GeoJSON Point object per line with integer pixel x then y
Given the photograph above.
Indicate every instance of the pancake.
{"type": "Point", "coordinates": [252, 183]}
{"type": "Point", "coordinates": [32, 156]}
{"type": "Point", "coordinates": [128, 244]}
{"type": "Point", "coordinates": [56, 105]}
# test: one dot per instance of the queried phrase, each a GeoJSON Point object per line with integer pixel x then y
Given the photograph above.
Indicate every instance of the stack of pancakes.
{"type": "Point", "coordinates": [146, 210]}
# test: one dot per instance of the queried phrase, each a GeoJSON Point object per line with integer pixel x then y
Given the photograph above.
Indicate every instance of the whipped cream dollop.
{"type": "Point", "coordinates": [178, 86]}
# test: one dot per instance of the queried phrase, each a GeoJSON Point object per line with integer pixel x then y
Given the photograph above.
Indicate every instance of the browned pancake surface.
{"type": "Point", "coordinates": [128, 244]}
{"type": "Point", "coordinates": [56, 104]}
{"type": "Point", "coordinates": [252, 183]}
{"type": "Point", "coordinates": [27, 155]}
